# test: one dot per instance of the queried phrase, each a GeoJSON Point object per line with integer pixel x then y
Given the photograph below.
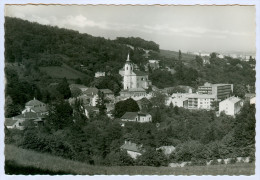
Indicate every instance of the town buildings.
{"type": "Point", "coordinates": [231, 106]}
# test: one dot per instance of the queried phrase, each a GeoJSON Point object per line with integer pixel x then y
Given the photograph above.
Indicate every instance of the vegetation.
{"type": "Point", "coordinates": [22, 161]}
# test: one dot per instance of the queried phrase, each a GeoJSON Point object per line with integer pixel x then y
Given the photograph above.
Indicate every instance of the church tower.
{"type": "Point", "coordinates": [128, 74]}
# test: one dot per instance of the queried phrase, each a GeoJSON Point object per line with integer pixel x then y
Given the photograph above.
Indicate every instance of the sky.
{"type": "Point", "coordinates": [188, 28]}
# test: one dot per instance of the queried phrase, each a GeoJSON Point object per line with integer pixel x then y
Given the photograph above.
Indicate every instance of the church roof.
{"type": "Point", "coordinates": [140, 73]}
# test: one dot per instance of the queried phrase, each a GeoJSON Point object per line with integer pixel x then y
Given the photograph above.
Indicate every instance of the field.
{"type": "Point", "coordinates": [22, 161]}
{"type": "Point", "coordinates": [57, 72]}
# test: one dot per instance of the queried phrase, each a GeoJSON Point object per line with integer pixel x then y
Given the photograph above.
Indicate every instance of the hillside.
{"type": "Point", "coordinates": [59, 72]}
{"type": "Point", "coordinates": [175, 54]}
{"type": "Point", "coordinates": [21, 161]}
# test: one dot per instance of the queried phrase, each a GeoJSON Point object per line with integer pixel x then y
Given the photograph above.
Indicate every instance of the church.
{"type": "Point", "coordinates": [133, 78]}
{"type": "Point", "coordinates": [135, 82]}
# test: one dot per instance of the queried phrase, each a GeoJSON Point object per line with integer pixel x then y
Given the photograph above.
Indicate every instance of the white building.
{"type": "Point", "coordinates": [195, 101]}
{"type": "Point", "coordinates": [132, 149]}
{"type": "Point", "coordinates": [133, 78]}
{"type": "Point", "coordinates": [253, 100]}
{"type": "Point", "coordinates": [177, 101]}
{"type": "Point", "coordinates": [231, 106]}
{"type": "Point", "coordinates": [100, 74]}
{"type": "Point", "coordinates": [136, 117]}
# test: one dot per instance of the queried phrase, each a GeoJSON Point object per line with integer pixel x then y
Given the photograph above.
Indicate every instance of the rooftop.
{"type": "Point", "coordinates": [130, 115]}
{"type": "Point", "coordinates": [134, 90]}
{"type": "Point", "coordinates": [140, 73]}
{"type": "Point", "coordinates": [10, 122]}
{"type": "Point", "coordinates": [77, 86]}
{"type": "Point", "coordinates": [106, 91]}
{"type": "Point", "coordinates": [34, 102]}
{"type": "Point", "coordinates": [28, 115]}
{"type": "Point", "coordinates": [233, 99]}
{"type": "Point", "coordinates": [131, 147]}
{"type": "Point", "coordinates": [39, 109]}
{"type": "Point", "coordinates": [91, 91]}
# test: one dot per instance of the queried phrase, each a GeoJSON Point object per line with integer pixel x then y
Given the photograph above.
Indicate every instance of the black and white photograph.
{"type": "Point", "coordinates": [129, 89]}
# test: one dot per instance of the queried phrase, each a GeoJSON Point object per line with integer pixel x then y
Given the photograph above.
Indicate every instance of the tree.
{"type": "Point", "coordinates": [158, 100]}
{"type": "Point", "coordinates": [101, 103]}
{"type": "Point", "coordinates": [59, 115]}
{"type": "Point", "coordinates": [64, 89]}
{"type": "Point", "coordinates": [10, 108]}
{"type": "Point", "coordinates": [129, 105]}
{"type": "Point", "coordinates": [180, 55]}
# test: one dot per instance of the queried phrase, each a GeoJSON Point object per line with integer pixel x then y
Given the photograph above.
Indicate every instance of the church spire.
{"type": "Point", "coordinates": [128, 57]}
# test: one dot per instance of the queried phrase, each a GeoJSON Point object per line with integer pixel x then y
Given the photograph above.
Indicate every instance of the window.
{"type": "Point", "coordinates": [126, 68]}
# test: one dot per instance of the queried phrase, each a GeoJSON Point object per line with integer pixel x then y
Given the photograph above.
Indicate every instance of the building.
{"type": "Point", "coordinates": [108, 94]}
{"type": "Point", "coordinates": [249, 96]}
{"type": "Point", "coordinates": [132, 149]}
{"type": "Point", "coordinates": [167, 150]}
{"type": "Point", "coordinates": [100, 74]}
{"type": "Point", "coordinates": [154, 64]}
{"type": "Point", "coordinates": [134, 92]}
{"type": "Point", "coordinates": [137, 117]}
{"type": "Point", "coordinates": [231, 106]}
{"type": "Point", "coordinates": [179, 102]}
{"type": "Point", "coordinates": [133, 78]}
{"type": "Point", "coordinates": [222, 91]}
{"type": "Point", "coordinates": [195, 101]}
{"type": "Point", "coordinates": [35, 106]}
{"type": "Point", "coordinates": [90, 110]}
{"type": "Point", "coordinates": [253, 100]}
{"type": "Point", "coordinates": [13, 124]}
{"type": "Point", "coordinates": [81, 87]}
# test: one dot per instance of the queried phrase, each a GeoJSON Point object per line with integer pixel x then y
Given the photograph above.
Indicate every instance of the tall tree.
{"type": "Point", "coordinates": [64, 89]}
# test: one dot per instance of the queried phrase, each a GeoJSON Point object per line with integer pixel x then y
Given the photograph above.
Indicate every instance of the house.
{"type": "Point", "coordinates": [167, 150]}
{"type": "Point", "coordinates": [136, 117]}
{"type": "Point", "coordinates": [231, 106]}
{"type": "Point", "coordinates": [108, 94]}
{"type": "Point", "coordinates": [100, 74]}
{"type": "Point", "coordinates": [132, 149]}
{"type": "Point", "coordinates": [90, 110]}
{"type": "Point", "coordinates": [13, 124]}
{"type": "Point", "coordinates": [34, 103]}
{"type": "Point", "coordinates": [92, 95]}
{"type": "Point", "coordinates": [154, 64]}
{"type": "Point", "coordinates": [39, 110]}
{"type": "Point", "coordinates": [81, 87]}
{"type": "Point", "coordinates": [28, 116]}
{"type": "Point", "coordinates": [249, 96]}
{"type": "Point", "coordinates": [253, 100]}
{"type": "Point", "coordinates": [91, 91]}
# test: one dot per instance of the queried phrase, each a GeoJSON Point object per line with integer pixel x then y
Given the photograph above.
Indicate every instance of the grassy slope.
{"type": "Point", "coordinates": [175, 54]}
{"type": "Point", "coordinates": [21, 161]}
{"type": "Point", "coordinates": [57, 72]}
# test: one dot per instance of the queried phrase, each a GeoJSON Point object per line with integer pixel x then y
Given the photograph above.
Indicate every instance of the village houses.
{"type": "Point", "coordinates": [231, 106]}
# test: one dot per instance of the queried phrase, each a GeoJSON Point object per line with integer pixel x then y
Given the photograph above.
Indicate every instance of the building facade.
{"type": "Point", "coordinates": [222, 91]}
{"type": "Point", "coordinates": [231, 106]}
{"type": "Point", "coordinates": [133, 78]}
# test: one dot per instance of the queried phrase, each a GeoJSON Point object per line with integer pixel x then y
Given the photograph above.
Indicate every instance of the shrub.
{"type": "Point", "coordinates": [214, 162]}
{"type": "Point", "coordinates": [233, 161]}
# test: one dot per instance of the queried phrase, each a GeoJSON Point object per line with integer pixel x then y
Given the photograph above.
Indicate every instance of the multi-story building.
{"type": "Point", "coordinates": [222, 91]}
{"type": "Point", "coordinates": [194, 101]}
{"type": "Point", "coordinates": [231, 106]}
